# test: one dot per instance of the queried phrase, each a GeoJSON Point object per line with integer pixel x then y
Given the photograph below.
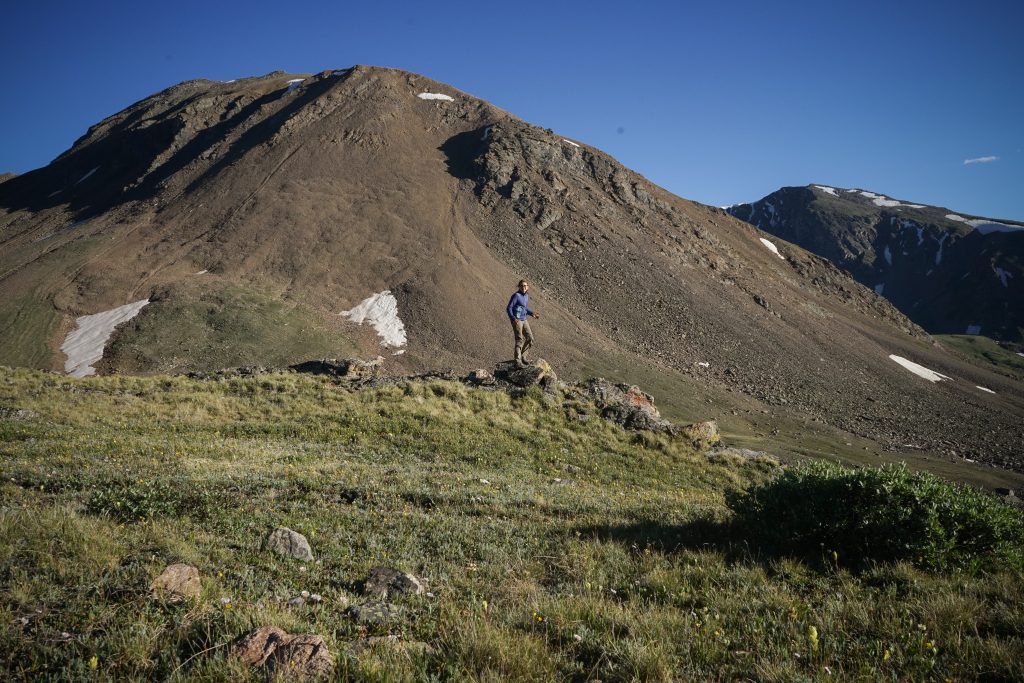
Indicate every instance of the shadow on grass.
{"type": "Point", "coordinates": [699, 534]}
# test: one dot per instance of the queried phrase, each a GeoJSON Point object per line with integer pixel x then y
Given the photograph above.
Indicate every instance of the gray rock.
{"type": "Point", "coordinates": [384, 583]}
{"type": "Point", "coordinates": [284, 541]}
{"type": "Point", "coordinates": [373, 613]}
{"type": "Point", "coordinates": [351, 370]}
{"type": "Point", "coordinates": [178, 582]}
{"type": "Point", "coordinates": [481, 377]}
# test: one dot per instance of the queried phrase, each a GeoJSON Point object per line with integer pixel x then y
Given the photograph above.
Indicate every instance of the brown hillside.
{"type": "Point", "coordinates": [302, 200]}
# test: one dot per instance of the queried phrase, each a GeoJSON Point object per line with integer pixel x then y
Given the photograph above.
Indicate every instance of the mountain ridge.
{"type": "Point", "coordinates": [251, 214]}
{"type": "Point", "coordinates": [949, 272]}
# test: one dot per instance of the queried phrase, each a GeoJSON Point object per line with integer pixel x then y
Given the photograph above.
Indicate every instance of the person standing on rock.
{"type": "Point", "coordinates": [518, 309]}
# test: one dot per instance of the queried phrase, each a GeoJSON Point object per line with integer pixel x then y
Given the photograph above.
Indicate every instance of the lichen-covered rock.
{"type": "Point", "coordinates": [703, 434]}
{"type": "Point", "coordinates": [284, 541]}
{"type": "Point", "coordinates": [386, 582]}
{"type": "Point", "coordinates": [350, 370]}
{"type": "Point", "coordinates": [537, 373]}
{"type": "Point", "coordinates": [626, 405]}
{"type": "Point", "coordinates": [373, 613]}
{"type": "Point", "coordinates": [178, 582]}
{"type": "Point", "coordinates": [293, 657]}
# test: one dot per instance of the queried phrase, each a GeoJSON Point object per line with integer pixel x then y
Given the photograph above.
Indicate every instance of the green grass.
{"type": "Point", "coordinates": [986, 353]}
{"type": "Point", "coordinates": [210, 325]}
{"type": "Point", "coordinates": [586, 553]}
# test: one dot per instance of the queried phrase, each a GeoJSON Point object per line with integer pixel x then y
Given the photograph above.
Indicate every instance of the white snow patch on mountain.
{"type": "Point", "coordinates": [87, 175]}
{"type": "Point", "coordinates": [53, 194]}
{"type": "Point", "coordinates": [84, 345]}
{"type": "Point", "coordinates": [829, 190]}
{"type": "Point", "coordinates": [983, 225]}
{"type": "Point", "coordinates": [977, 386]}
{"type": "Point", "coordinates": [888, 255]}
{"type": "Point", "coordinates": [435, 96]}
{"type": "Point", "coordinates": [879, 288]}
{"type": "Point", "coordinates": [938, 254]}
{"type": "Point", "coordinates": [882, 200]}
{"type": "Point", "coordinates": [381, 311]}
{"type": "Point", "coordinates": [293, 84]}
{"type": "Point", "coordinates": [987, 227]}
{"type": "Point", "coordinates": [919, 370]}
{"type": "Point", "coordinates": [772, 248]}
{"type": "Point", "coordinates": [570, 142]}
{"type": "Point", "coordinates": [973, 329]}
{"type": "Point", "coordinates": [1002, 274]}
{"type": "Point", "coordinates": [201, 272]}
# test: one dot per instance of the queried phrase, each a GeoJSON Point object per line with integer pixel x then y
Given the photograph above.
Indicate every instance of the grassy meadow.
{"type": "Point", "coordinates": [555, 546]}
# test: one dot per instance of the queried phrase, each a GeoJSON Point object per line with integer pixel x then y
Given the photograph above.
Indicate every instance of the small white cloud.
{"type": "Point", "coordinates": [980, 160]}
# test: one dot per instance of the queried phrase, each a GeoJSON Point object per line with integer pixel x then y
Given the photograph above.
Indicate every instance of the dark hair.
{"type": "Point", "coordinates": [522, 282]}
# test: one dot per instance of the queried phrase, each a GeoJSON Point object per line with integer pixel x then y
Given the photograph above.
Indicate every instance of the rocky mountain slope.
{"type": "Point", "coordinates": [261, 221]}
{"type": "Point", "coordinates": [949, 273]}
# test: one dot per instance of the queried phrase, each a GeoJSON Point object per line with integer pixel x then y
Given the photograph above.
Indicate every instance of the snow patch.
{"type": "Point", "coordinates": [973, 329]}
{"type": "Point", "coordinates": [829, 190]}
{"type": "Point", "coordinates": [293, 84]}
{"type": "Point", "coordinates": [919, 370]}
{"type": "Point", "coordinates": [381, 311]}
{"type": "Point", "coordinates": [1003, 275]}
{"type": "Point", "coordinates": [435, 96]}
{"type": "Point", "coordinates": [201, 272]}
{"type": "Point", "coordinates": [983, 225]}
{"type": "Point", "coordinates": [772, 248]}
{"type": "Point", "coordinates": [570, 142]}
{"type": "Point", "coordinates": [988, 227]}
{"type": "Point", "coordinates": [704, 364]}
{"type": "Point", "coordinates": [879, 289]}
{"type": "Point", "coordinates": [487, 134]}
{"type": "Point", "coordinates": [977, 386]}
{"type": "Point", "coordinates": [938, 254]}
{"type": "Point", "coordinates": [87, 175]}
{"type": "Point", "coordinates": [53, 194]}
{"type": "Point", "coordinates": [84, 345]}
{"type": "Point", "coordinates": [882, 200]}
{"type": "Point", "coordinates": [888, 255]}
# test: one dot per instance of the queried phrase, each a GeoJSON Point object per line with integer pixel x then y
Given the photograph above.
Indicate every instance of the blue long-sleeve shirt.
{"type": "Point", "coordinates": [519, 306]}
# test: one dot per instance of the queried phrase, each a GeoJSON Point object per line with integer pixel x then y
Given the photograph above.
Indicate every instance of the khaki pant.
{"type": "Point", "coordinates": [524, 337]}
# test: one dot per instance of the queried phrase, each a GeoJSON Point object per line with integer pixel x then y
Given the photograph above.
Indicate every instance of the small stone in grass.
{"type": "Point", "coordinates": [178, 581]}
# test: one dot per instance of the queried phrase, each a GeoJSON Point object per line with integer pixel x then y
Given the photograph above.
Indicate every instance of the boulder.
{"type": "Point", "coordinates": [538, 373]}
{"type": "Point", "coordinates": [481, 378]}
{"type": "Point", "coordinates": [284, 541]}
{"type": "Point", "coordinates": [296, 657]}
{"type": "Point", "coordinates": [352, 370]}
{"type": "Point", "coordinates": [386, 582]}
{"type": "Point", "coordinates": [703, 434]}
{"type": "Point", "coordinates": [372, 613]}
{"type": "Point", "coordinates": [178, 582]}
{"type": "Point", "coordinates": [626, 405]}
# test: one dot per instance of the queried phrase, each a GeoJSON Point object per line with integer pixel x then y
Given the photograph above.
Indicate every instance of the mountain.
{"type": "Point", "coordinates": [950, 273]}
{"type": "Point", "coordinates": [260, 221]}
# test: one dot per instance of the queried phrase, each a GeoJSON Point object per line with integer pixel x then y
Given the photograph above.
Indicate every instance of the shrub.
{"type": "Point", "coordinates": [880, 514]}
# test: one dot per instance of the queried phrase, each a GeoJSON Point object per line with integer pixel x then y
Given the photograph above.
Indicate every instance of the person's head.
{"type": "Point", "coordinates": [523, 286]}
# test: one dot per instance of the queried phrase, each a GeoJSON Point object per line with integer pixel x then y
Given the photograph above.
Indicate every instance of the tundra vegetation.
{"type": "Point", "coordinates": [553, 545]}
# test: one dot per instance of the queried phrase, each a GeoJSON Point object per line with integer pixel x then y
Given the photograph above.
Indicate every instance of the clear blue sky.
{"type": "Point", "coordinates": [717, 102]}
